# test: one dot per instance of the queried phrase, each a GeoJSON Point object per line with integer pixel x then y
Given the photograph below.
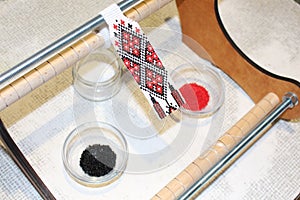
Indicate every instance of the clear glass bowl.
{"type": "Point", "coordinates": [203, 76]}
{"type": "Point", "coordinates": [97, 77]}
{"type": "Point", "coordinates": [89, 134]}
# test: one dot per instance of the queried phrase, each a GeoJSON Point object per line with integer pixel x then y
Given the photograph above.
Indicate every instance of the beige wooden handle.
{"type": "Point", "coordinates": [224, 144]}
{"type": "Point", "coordinates": [69, 56]}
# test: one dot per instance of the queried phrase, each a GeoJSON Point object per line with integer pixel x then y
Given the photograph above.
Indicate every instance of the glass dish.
{"type": "Point", "coordinates": [93, 133]}
{"type": "Point", "coordinates": [97, 77]}
{"type": "Point", "coordinates": [201, 86]}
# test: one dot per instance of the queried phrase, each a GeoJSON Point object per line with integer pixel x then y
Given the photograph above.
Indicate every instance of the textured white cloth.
{"type": "Point", "coordinates": [40, 122]}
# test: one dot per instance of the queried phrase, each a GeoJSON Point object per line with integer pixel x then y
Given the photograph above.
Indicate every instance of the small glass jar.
{"type": "Point", "coordinates": [97, 77]}
{"type": "Point", "coordinates": [201, 87]}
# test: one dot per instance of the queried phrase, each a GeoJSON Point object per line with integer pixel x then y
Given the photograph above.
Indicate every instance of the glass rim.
{"type": "Point", "coordinates": [117, 70]}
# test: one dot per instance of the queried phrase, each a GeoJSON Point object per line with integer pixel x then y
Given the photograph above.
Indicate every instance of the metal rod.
{"type": "Point", "coordinates": [289, 101]}
{"type": "Point", "coordinates": [66, 40]}
{"type": "Point", "coordinates": [18, 157]}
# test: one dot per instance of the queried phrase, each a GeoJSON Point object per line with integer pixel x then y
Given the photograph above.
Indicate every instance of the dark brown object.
{"type": "Point", "coordinates": [200, 22]}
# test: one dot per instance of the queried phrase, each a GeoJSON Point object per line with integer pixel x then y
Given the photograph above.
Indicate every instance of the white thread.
{"type": "Point", "coordinates": [111, 13]}
{"type": "Point", "coordinates": [104, 33]}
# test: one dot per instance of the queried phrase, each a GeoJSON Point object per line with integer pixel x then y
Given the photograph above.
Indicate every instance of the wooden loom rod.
{"type": "Point", "coordinates": [201, 165]}
{"type": "Point", "coordinates": [289, 100]}
{"type": "Point", "coordinates": [68, 56]}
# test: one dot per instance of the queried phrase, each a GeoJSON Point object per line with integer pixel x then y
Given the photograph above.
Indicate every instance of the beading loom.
{"type": "Point", "coordinates": [66, 51]}
{"type": "Point", "coordinates": [30, 74]}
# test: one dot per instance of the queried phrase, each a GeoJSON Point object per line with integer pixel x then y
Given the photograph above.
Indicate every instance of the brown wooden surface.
{"type": "Point", "coordinates": [199, 23]}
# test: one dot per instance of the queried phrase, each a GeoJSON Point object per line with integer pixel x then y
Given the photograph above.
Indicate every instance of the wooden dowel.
{"type": "Point", "coordinates": [143, 10]}
{"type": "Point", "coordinates": [153, 5]}
{"type": "Point", "coordinates": [133, 14]}
{"type": "Point", "coordinates": [47, 70]}
{"type": "Point", "coordinates": [224, 144]}
{"type": "Point", "coordinates": [68, 57]}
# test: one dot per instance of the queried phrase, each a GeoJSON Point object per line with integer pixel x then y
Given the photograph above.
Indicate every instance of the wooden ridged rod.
{"type": "Point", "coordinates": [47, 70]}
{"type": "Point", "coordinates": [217, 151]}
{"type": "Point", "coordinates": [68, 57]}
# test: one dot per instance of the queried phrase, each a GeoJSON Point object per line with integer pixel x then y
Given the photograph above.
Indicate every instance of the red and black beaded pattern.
{"type": "Point", "coordinates": [147, 69]}
{"type": "Point", "coordinates": [140, 59]}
